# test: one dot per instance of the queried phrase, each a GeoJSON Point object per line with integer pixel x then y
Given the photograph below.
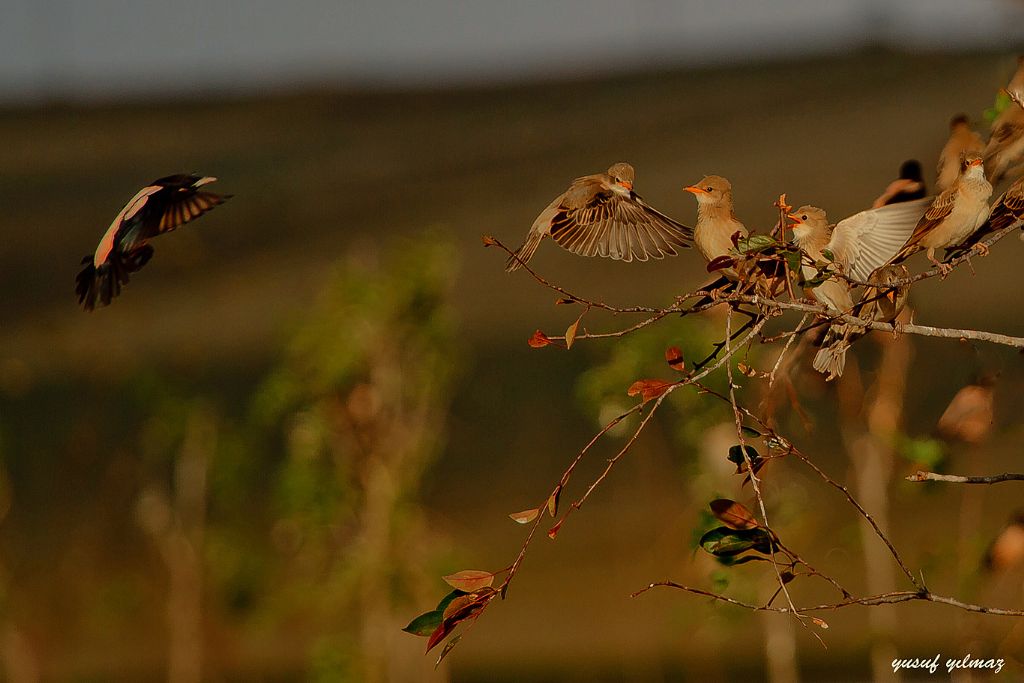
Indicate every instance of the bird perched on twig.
{"type": "Point", "coordinates": [159, 207]}
{"type": "Point", "coordinates": [1005, 146]}
{"type": "Point", "coordinates": [881, 303]}
{"type": "Point", "coordinates": [907, 187]}
{"type": "Point", "coordinates": [716, 220]}
{"type": "Point", "coordinates": [600, 215]}
{"type": "Point", "coordinates": [962, 140]}
{"type": "Point", "coordinates": [1007, 210]}
{"type": "Point", "coordinates": [954, 214]}
{"type": "Point", "coordinates": [858, 244]}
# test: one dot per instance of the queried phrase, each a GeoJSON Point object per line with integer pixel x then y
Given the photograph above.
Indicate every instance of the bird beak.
{"type": "Point", "coordinates": [891, 296]}
{"type": "Point", "coordinates": [976, 162]}
{"type": "Point", "coordinates": [626, 184]}
{"type": "Point", "coordinates": [204, 181]}
{"type": "Point", "coordinates": [793, 217]}
{"type": "Point", "coordinates": [694, 189]}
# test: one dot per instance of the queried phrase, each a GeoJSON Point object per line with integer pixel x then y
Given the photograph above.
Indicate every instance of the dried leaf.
{"type": "Point", "coordinates": [649, 388]}
{"type": "Point", "coordinates": [449, 646]}
{"type": "Point", "coordinates": [733, 514]}
{"type": "Point", "coordinates": [674, 358]}
{"type": "Point", "coordinates": [469, 580]}
{"type": "Point", "coordinates": [526, 516]}
{"type": "Point", "coordinates": [553, 531]}
{"type": "Point", "coordinates": [745, 369]}
{"type": "Point", "coordinates": [539, 340]}
{"type": "Point", "coordinates": [488, 240]}
{"type": "Point", "coordinates": [565, 302]}
{"type": "Point", "coordinates": [459, 604]}
{"type": "Point", "coordinates": [425, 624]}
{"type": "Point", "coordinates": [821, 623]}
{"type": "Point", "coordinates": [736, 457]}
{"type": "Point", "coordinates": [786, 577]}
{"type": "Point", "coordinates": [720, 262]}
{"type": "Point", "coordinates": [725, 542]}
{"type": "Point", "coordinates": [570, 333]}
{"type": "Point", "coordinates": [553, 500]}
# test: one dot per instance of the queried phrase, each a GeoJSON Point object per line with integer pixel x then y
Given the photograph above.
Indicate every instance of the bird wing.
{"type": "Point", "coordinates": [933, 217]}
{"type": "Point", "coordinates": [179, 207]}
{"type": "Point", "coordinates": [867, 240]}
{"type": "Point", "coordinates": [130, 210]}
{"type": "Point", "coordinates": [599, 222]}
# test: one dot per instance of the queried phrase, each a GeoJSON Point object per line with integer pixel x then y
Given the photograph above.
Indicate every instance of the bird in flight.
{"type": "Point", "coordinates": [600, 215]}
{"type": "Point", "coordinates": [157, 208]}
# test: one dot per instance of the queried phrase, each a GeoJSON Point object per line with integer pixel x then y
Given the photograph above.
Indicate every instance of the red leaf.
{"type": "Point", "coordinates": [488, 240]}
{"type": "Point", "coordinates": [565, 302]}
{"type": "Point", "coordinates": [553, 531]}
{"type": "Point", "coordinates": [470, 580]}
{"type": "Point", "coordinates": [649, 388]}
{"type": "Point", "coordinates": [539, 340]}
{"type": "Point", "coordinates": [458, 605]}
{"type": "Point", "coordinates": [721, 262]}
{"type": "Point", "coordinates": [733, 514]}
{"type": "Point", "coordinates": [674, 358]}
{"type": "Point", "coordinates": [526, 516]}
{"type": "Point", "coordinates": [553, 500]}
{"type": "Point", "coordinates": [439, 634]}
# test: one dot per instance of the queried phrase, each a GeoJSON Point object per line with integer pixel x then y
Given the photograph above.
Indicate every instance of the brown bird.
{"type": "Point", "coordinates": [159, 207]}
{"type": "Point", "coordinates": [716, 221]}
{"type": "Point", "coordinates": [962, 140]}
{"type": "Point", "coordinates": [600, 215]}
{"type": "Point", "coordinates": [1007, 549]}
{"type": "Point", "coordinates": [1008, 210]}
{"type": "Point", "coordinates": [881, 303]}
{"type": "Point", "coordinates": [908, 187]}
{"type": "Point", "coordinates": [969, 416]}
{"type": "Point", "coordinates": [811, 233]}
{"type": "Point", "coordinates": [1005, 146]}
{"type": "Point", "coordinates": [954, 215]}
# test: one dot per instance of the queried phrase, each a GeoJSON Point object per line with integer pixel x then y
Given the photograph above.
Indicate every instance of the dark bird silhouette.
{"type": "Point", "coordinates": [159, 207]}
{"type": "Point", "coordinates": [908, 187]}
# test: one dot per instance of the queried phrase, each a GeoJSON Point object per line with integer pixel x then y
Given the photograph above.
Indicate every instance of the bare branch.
{"type": "Point", "coordinates": [958, 479]}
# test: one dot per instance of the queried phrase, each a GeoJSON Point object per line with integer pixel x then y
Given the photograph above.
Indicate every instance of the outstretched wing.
{"type": "Point", "coordinates": [867, 240]}
{"type": "Point", "coordinates": [164, 213]}
{"type": "Point", "coordinates": [618, 227]}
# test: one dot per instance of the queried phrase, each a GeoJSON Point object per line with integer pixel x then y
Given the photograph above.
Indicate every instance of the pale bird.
{"type": "Point", "coordinates": [954, 214]}
{"type": "Point", "coordinates": [716, 220]}
{"type": "Point", "coordinates": [600, 215]}
{"type": "Point", "coordinates": [1005, 146]}
{"type": "Point", "coordinates": [907, 187]}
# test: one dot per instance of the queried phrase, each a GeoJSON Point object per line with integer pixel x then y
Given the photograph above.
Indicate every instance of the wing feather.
{"type": "Point", "coordinates": [867, 240]}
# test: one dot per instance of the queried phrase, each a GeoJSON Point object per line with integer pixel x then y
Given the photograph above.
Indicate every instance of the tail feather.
{"type": "Point", "coordinates": [104, 282]}
{"type": "Point", "coordinates": [524, 253]}
{"type": "Point", "coordinates": [831, 357]}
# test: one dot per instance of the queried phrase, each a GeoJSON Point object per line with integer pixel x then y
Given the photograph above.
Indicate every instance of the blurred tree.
{"type": "Point", "coordinates": [359, 404]}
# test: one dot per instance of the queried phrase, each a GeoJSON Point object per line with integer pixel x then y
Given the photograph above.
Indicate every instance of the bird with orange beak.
{"type": "Point", "coordinates": [600, 215]}
{"type": "Point", "coordinates": [160, 207]}
{"type": "Point", "coordinates": [716, 220]}
{"type": "Point", "coordinates": [1006, 211]}
{"type": "Point", "coordinates": [962, 140]}
{"type": "Point", "coordinates": [953, 215]}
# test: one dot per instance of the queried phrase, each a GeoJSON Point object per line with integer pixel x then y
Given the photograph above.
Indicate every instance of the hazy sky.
{"type": "Point", "coordinates": [107, 48]}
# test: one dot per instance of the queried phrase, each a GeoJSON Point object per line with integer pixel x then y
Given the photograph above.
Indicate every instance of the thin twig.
{"type": "Point", "coordinates": [921, 475]}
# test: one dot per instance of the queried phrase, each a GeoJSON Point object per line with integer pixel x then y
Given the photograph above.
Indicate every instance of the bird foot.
{"type": "Point", "coordinates": [897, 329]}
{"type": "Point", "coordinates": [944, 268]}
{"type": "Point", "coordinates": [982, 249]}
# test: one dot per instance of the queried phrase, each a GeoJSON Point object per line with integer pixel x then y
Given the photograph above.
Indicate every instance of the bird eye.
{"type": "Point", "coordinates": [804, 217]}
{"type": "Point", "coordinates": [709, 188]}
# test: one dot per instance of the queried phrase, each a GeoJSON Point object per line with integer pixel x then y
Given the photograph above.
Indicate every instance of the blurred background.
{"type": "Point", "coordinates": [318, 399]}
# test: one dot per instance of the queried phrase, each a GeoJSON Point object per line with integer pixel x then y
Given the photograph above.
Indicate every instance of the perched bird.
{"type": "Point", "coordinates": [962, 140]}
{"type": "Point", "coordinates": [882, 302]}
{"type": "Point", "coordinates": [1008, 210]}
{"type": "Point", "coordinates": [954, 214]}
{"type": "Point", "coordinates": [1016, 83]}
{"type": "Point", "coordinates": [858, 244]}
{"type": "Point", "coordinates": [716, 221]}
{"type": "Point", "coordinates": [1005, 146]}
{"type": "Point", "coordinates": [600, 215]}
{"type": "Point", "coordinates": [1007, 549]}
{"type": "Point", "coordinates": [159, 207]}
{"type": "Point", "coordinates": [969, 416]}
{"type": "Point", "coordinates": [909, 186]}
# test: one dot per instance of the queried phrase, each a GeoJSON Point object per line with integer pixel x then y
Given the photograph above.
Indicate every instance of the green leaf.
{"type": "Point", "coordinates": [736, 456]}
{"type": "Point", "coordinates": [725, 542]}
{"type": "Point", "coordinates": [828, 255]}
{"type": "Point", "coordinates": [928, 452]}
{"type": "Point", "coordinates": [447, 600]}
{"type": "Point", "coordinates": [793, 259]}
{"type": "Point", "coordinates": [755, 244]}
{"type": "Point", "coordinates": [425, 624]}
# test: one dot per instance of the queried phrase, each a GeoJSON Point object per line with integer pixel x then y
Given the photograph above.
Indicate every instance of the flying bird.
{"type": "Point", "coordinates": [882, 302]}
{"type": "Point", "coordinates": [600, 215]}
{"type": "Point", "coordinates": [962, 140]}
{"type": "Point", "coordinates": [954, 214]}
{"type": "Point", "coordinates": [157, 208]}
{"type": "Point", "coordinates": [907, 187]}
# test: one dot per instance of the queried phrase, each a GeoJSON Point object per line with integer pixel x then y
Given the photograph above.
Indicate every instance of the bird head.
{"type": "Point", "coordinates": [971, 164]}
{"type": "Point", "coordinates": [808, 220]}
{"type": "Point", "coordinates": [911, 170]}
{"type": "Point", "coordinates": [890, 276]}
{"type": "Point", "coordinates": [959, 120]}
{"type": "Point", "coordinates": [622, 174]}
{"type": "Point", "coordinates": [711, 189]}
